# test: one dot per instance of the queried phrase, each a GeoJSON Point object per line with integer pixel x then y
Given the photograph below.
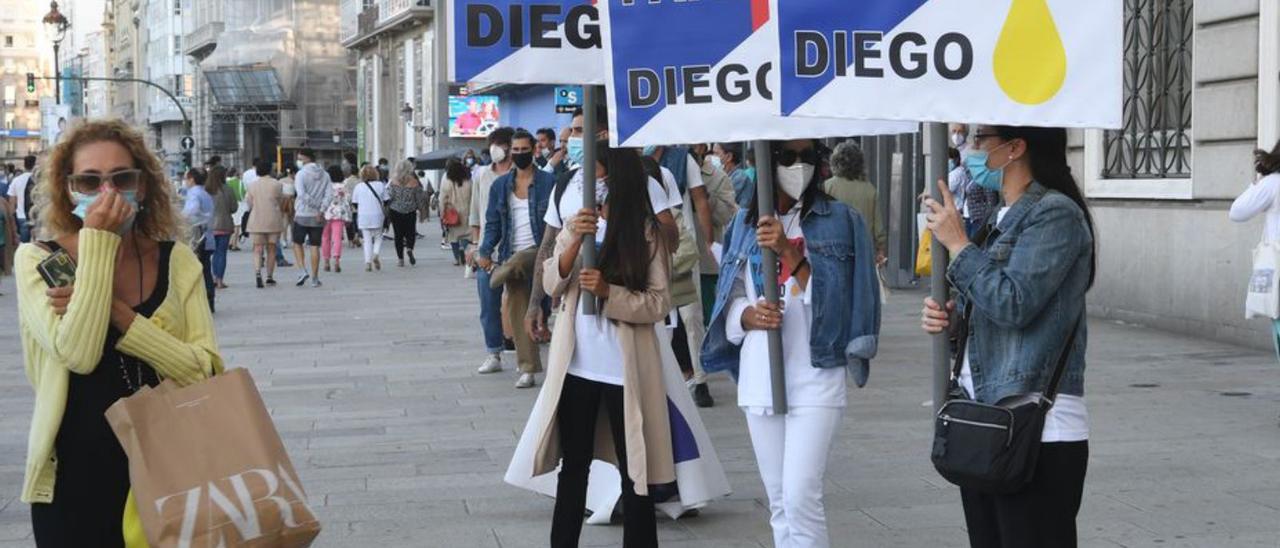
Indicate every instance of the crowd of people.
{"type": "Point", "coordinates": [676, 293]}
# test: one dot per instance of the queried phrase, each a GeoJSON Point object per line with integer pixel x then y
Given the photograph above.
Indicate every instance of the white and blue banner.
{"type": "Point", "coordinates": [524, 42]}
{"type": "Point", "coordinates": [1018, 62]}
{"type": "Point", "coordinates": [699, 71]}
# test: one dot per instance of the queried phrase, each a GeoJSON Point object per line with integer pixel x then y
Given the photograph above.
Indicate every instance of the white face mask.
{"type": "Point", "coordinates": [497, 153]}
{"type": "Point", "coordinates": [299, 164]}
{"type": "Point", "coordinates": [957, 140]}
{"type": "Point", "coordinates": [795, 178]}
{"type": "Point", "coordinates": [716, 161]}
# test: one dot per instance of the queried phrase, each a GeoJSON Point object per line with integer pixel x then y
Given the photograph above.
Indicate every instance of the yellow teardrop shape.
{"type": "Point", "coordinates": [1030, 59]}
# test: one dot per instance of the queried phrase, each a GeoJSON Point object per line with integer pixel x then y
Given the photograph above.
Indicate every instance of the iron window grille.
{"type": "Point", "coordinates": [1155, 139]}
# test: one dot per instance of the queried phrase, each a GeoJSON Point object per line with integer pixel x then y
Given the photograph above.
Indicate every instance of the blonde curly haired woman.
{"type": "Point", "coordinates": [135, 314]}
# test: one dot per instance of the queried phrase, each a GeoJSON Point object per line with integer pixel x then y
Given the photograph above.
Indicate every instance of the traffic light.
{"type": "Point", "coordinates": [186, 160]}
{"type": "Point", "coordinates": [31, 82]}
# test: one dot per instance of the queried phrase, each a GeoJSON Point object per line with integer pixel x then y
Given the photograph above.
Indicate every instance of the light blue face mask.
{"type": "Point", "coordinates": [573, 149]}
{"type": "Point", "coordinates": [82, 202]}
{"type": "Point", "coordinates": [649, 150]}
{"type": "Point", "coordinates": [983, 176]}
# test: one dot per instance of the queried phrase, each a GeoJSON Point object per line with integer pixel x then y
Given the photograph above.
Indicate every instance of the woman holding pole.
{"type": "Point", "coordinates": [827, 271]}
{"type": "Point", "coordinates": [1023, 284]}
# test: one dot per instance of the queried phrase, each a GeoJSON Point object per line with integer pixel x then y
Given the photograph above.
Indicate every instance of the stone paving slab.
{"type": "Point", "coordinates": [399, 443]}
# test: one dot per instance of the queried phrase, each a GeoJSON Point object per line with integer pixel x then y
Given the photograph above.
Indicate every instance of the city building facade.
{"type": "Point", "coordinates": [23, 49]}
{"type": "Point", "coordinates": [394, 44]}
{"type": "Point", "coordinates": [269, 78]}
{"type": "Point", "coordinates": [1202, 92]}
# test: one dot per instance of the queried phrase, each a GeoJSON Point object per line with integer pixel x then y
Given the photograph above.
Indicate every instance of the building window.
{"type": "Point", "coordinates": [177, 44]}
{"type": "Point", "coordinates": [8, 41]}
{"type": "Point", "coordinates": [1155, 140]}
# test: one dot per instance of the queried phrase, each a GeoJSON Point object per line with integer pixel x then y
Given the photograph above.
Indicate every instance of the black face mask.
{"type": "Point", "coordinates": [522, 159]}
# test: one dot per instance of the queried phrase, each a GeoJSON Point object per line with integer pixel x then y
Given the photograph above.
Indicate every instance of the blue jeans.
{"type": "Point", "coordinates": [220, 243]}
{"type": "Point", "coordinates": [490, 313]}
{"type": "Point", "coordinates": [24, 231]}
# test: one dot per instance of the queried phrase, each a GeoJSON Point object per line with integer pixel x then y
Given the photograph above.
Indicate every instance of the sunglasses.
{"type": "Point", "coordinates": [786, 157]}
{"type": "Point", "coordinates": [125, 180]}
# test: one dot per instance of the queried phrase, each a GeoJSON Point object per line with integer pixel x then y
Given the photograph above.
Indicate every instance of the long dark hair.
{"type": "Point", "coordinates": [335, 173]}
{"type": "Point", "coordinates": [1047, 154]}
{"type": "Point", "coordinates": [812, 193]}
{"type": "Point", "coordinates": [625, 256]}
{"type": "Point", "coordinates": [1267, 162]}
{"type": "Point", "coordinates": [456, 172]}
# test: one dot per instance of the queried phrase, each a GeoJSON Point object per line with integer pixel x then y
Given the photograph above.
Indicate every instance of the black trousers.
{"type": "Point", "coordinates": [680, 346]}
{"type": "Point", "coordinates": [1041, 516]}
{"type": "Point", "coordinates": [406, 231]}
{"type": "Point", "coordinates": [206, 263]}
{"type": "Point", "coordinates": [580, 402]}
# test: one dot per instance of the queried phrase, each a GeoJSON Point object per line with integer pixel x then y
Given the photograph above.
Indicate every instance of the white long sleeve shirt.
{"type": "Point", "coordinates": [1260, 198]}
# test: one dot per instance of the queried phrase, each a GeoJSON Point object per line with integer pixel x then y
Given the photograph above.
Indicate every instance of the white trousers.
{"type": "Point", "coordinates": [694, 333]}
{"type": "Point", "coordinates": [372, 239]}
{"type": "Point", "coordinates": [791, 452]}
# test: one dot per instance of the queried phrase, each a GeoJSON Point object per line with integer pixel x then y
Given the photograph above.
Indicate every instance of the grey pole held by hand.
{"type": "Point", "coordinates": [769, 271]}
{"type": "Point", "coordinates": [589, 125]}
{"type": "Point", "coordinates": [937, 147]}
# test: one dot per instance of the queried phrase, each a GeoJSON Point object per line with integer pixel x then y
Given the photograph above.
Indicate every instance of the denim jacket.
{"type": "Point", "coordinates": [498, 231]}
{"type": "Point", "coordinates": [1027, 287]}
{"type": "Point", "coordinates": [846, 290]}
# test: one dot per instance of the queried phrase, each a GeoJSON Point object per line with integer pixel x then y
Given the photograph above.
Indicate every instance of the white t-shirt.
{"type": "Point", "coordinates": [596, 353]}
{"type": "Point", "coordinates": [522, 235]}
{"type": "Point", "coordinates": [674, 199]}
{"type": "Point", "coordinates": [369, 204]}
{"type": "Point", "coordinates": [1067, 420]}
{"type": "Point", "coordinates": [807, 386]}
{"type": "Point", "coordinates": [571, 202]}
{"type": "Point", "coordinates": [249, 177]}
{"type": "Point", "coordinates": [18, 191]}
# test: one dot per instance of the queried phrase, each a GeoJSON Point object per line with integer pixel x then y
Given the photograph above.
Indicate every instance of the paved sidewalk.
{"type": "Point", "coordinates": [371, 382]}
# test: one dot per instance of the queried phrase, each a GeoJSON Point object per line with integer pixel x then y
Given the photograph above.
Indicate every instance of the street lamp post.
{"type": "Point", "coordinates": [56, 25]}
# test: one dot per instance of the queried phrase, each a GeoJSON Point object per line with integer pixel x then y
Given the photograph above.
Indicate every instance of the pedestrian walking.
{"type": "Point", "coordinates": [849, 185]}
{"type": "Point", "coordinates": [490, 297]}
{"type": "Point", "coordinates": [369, 201]}
{"type": "Point", "coordinates": [1260, 198]}
{"type": "Point", "coordinates": [406, 198]}
{"type": "Point", "coordinates": [134, 315]}
{"type": "Point", "coordinates": [1022, 284]}
{"type": "Point", "coordinates": [351, 170]}
{"type": "Point", "coordinates": [223, 224]}
{"type": "Point", "coordinates": [827, 272]}
{"type": "Point", "coordinates": [455, 198]}
{"type": "Point", "coordinates": [266, 222]}
{"type": "Point", "coordinates": [197, 209]}
{"type": "Point", "coordinates": [314, 192]}
{"type": "Point", "coordinates": [336, 215]}
{"type": "Point", "coordinates": [8, 240]}
{"type": "Point", "coordinates": [514, 229]}
{"type": "Point", "coordinates": [731, 162]}
{"type": "Point", "coordinates": [19, 195]}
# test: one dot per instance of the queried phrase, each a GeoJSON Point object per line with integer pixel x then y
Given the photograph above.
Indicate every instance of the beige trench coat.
{"type": "Point", "coordinates": [644, 398]}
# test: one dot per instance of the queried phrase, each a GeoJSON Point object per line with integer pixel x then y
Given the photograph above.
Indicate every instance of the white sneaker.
{"type": "Point", "coordinates": [492, 364]}
{"type": "Point", "coordinates": [527, 380]}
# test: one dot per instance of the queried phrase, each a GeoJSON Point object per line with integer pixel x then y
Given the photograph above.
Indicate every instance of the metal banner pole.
{"type": "Point", "coordinates": [937, 146]}
{"type": "Point", "coordinates": [769, 270]}
{"type": "Point", "coordinates": [589, 129]}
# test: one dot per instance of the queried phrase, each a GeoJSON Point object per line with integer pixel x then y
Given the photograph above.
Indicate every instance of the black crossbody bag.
{"type": "Point", "coordinates": [992, 449]}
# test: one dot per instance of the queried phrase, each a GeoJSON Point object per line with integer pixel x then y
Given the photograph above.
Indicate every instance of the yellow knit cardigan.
{"type": "Point", "coordinates": [177, 340]}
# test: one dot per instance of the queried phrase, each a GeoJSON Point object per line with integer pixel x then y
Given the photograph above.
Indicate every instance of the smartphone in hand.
{"type": "Point", "coordinates": [58, 269]}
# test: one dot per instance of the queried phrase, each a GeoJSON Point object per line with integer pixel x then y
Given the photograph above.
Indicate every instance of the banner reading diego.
{"type": "Point", "coordinates": [1023, 62]}
{"type": "Point", "coordinates": [524, 42]}
{"type": "Point", "coordinates": [688, 72]}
